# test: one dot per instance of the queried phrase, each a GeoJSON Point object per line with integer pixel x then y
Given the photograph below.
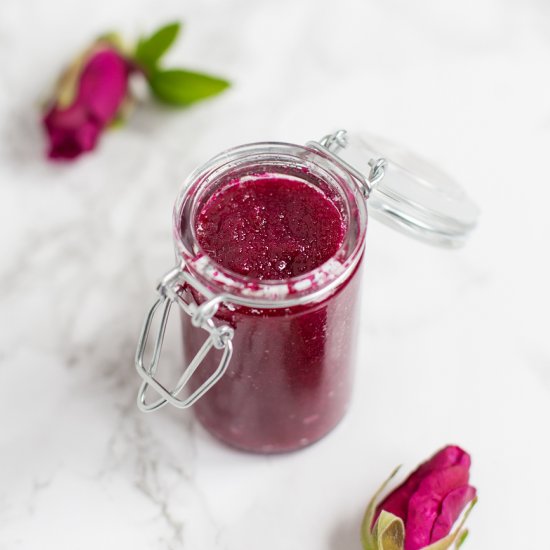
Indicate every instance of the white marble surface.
{"type": "Point", "coordinates": [454, 345]}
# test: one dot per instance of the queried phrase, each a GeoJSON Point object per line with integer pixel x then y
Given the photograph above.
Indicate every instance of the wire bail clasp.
{"type": "Point", "coordinates": [219, 337]}
{"type": "Point", "coordinates": [333, 143]}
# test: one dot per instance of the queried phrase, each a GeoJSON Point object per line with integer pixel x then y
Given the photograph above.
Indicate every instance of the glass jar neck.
{"type": "Point", "coordinates": [282, 160]}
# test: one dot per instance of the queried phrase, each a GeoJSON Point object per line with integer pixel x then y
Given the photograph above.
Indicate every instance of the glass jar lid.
{"type": "Point", "coordinates": [405, 191]}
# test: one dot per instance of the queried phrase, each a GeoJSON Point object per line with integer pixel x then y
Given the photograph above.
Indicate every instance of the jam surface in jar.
{"type": "Point", "coordinates": [289, 380]}
{"type": "Point", "coordinates": [269, 227]}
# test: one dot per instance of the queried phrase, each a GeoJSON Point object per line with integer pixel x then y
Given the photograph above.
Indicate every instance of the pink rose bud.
{"type": "Point", "coordinates": [432, 498]}
{"type": "Point", "coordinates": [100, 90]}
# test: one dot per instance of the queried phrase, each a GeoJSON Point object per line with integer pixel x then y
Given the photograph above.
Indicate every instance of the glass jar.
{"type": "Point", "coordinates": [270, 363]}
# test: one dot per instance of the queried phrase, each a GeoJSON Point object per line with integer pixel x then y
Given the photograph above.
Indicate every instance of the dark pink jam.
{"type": "Point", "coordinates": [289, 380]}
{"type": "Point", "coordinates": [268, 227]}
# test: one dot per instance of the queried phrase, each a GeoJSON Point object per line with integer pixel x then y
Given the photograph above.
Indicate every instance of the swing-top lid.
{"type": "Point", "coordinates": [405, 191]}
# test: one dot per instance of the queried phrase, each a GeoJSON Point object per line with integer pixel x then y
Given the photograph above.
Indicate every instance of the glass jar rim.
{"type": "Point", "coordinates": [311, 286]}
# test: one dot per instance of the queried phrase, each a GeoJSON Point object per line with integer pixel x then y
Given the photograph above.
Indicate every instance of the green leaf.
{"type": "Point", "coordinates": [389, 532]}
{"type": "Point", "coordinates": [149, 50]}
{"type": "Point", "coordinates": [181, 88]}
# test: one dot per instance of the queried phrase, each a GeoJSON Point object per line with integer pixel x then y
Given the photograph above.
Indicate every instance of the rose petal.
{"type": "Point", "coordinates": [451, 508]}
{"type": "Point", "coordinates": [449, 456]}
{"type": "Point", "coordinates": [103, 84]}
{"type": "Point", "coordinates": [65, 118]}
{"type": "Point", "coordinates": [70, 132]}
{"type": "Point", "coordinates": [397, 501]}
{"type": "Point", "coordinates": [425, 503]}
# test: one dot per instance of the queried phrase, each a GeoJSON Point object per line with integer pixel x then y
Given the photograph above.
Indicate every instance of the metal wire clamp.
{"type": "Point", "coordinates": [331, 144]}
{"type": "Point", "coordinates": [219, 337]}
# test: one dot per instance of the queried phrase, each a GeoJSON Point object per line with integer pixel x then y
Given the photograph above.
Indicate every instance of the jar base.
{"type": "Point", "coordinates": [268, 449]}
